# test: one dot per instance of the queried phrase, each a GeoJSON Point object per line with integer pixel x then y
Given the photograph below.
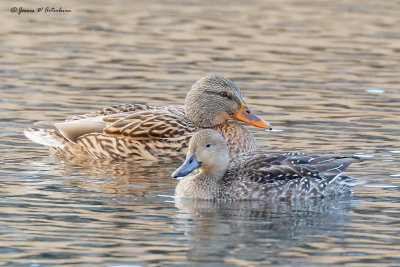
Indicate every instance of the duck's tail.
{"type": "Point", "coordinates": [332, 169]}
{"type": "Point", "coordinates": [55, 142]}
{"type": "Point", "coordinates": [343, 183]}
{"type": "Point", "coordinates": [48, 137]}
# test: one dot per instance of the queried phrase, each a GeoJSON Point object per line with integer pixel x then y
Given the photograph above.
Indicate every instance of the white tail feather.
{"type": "Point", "coordinates": [46, 137]}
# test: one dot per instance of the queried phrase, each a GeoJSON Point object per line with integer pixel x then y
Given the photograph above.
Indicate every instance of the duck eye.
{"type": "Point", "coordinates": [223, 94]}
{"type": "Point", "coordinates": [208, 145]}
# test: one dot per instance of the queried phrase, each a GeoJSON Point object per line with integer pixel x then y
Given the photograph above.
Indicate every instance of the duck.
{"type": "Point", "coordinates": [148, 132]}
{"type": "Point", "coordinates": [257, 175]}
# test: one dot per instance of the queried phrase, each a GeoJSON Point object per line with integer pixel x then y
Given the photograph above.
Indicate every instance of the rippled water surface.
{"type": "Point", "coordinates": [324, 73]}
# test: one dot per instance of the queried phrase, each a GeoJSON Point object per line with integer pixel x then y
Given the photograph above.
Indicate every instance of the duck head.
{"type": "Point", "coordinates": [207, 152]}
{"type": "Point", "coordinates": [214, 99]}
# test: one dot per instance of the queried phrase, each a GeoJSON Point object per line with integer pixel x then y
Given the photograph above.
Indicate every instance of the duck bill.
{"type": "Point", "coordinates": [187, 167]}
{"type": "Point", "coordinates": [247, 115]}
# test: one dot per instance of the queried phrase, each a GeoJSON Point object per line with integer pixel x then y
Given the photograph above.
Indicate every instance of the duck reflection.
{"type": "Point", "coordinates": [126, 179]}
{"type": "Point", "coordinates": [213, 227]}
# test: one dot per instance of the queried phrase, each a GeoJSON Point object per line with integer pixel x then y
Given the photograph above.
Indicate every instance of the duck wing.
{"type": "Point", "coordinates": [265, 168]}
{"type": "Point", "coordinates": [129, 130]}
{"type": "Point", "coordinates": [140, 122]}
{"type": "Point", "coordinates": [276, 170]}
{"type": "Point", "coordinates": [263, 176]}
{"type": "Point", "coordinates": [328, 167]}
{"type": "Point", "coordinates": [73, 128]}
{"type": "Point", "coordinates": [148, 134]}
{"type": "Point", "coordinates": [114, 109]}
{"type": "Point", "coordinates": [148, 125]}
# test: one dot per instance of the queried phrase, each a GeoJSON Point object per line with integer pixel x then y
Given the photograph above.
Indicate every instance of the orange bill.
{"type": "Point", "coordinates": [246, 115]}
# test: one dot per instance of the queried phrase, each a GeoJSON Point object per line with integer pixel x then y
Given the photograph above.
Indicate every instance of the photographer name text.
{"type": "Point", "coordinates": [23, 10]}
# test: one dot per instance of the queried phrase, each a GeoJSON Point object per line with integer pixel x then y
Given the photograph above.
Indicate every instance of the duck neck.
{"type": "Point", "coordinates": [199, 119]}
{"type": "Point", "coordinates": [205, 185]}
{"type": "Point", "coordinates": [210, 176]}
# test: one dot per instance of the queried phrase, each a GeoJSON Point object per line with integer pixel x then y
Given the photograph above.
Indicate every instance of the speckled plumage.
{"type": "Point", "coordinates": [150, 132]}
{"type": "Point", "coordinates": [260, 175]}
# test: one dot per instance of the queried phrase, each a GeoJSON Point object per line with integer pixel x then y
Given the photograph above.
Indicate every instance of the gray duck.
{"type": "Point", "coordinates": [257, 175]}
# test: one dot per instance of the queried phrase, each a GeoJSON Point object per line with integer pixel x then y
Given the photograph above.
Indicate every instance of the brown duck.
{"type": "Point", "coordinates": [151, 132]}
{"type": "Point", "coordinates": [257, 175]}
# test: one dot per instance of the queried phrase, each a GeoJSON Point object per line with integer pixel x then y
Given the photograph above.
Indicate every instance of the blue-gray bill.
{"type": "Point", "coordinates": [187, 167]}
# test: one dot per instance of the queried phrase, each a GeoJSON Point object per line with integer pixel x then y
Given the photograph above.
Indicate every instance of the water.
{"type": "Point", "coordinates": [324, 73]}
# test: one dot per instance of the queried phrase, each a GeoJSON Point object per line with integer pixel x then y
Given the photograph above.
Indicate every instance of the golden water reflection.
{"type": "Point", "coordinates": [323, 73]}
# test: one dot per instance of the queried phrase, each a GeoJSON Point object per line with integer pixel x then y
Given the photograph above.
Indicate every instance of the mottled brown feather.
{"type": "Point", "coordinates": [143, 131]}
{"type": "Point", "coordinates": [147, 125]}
